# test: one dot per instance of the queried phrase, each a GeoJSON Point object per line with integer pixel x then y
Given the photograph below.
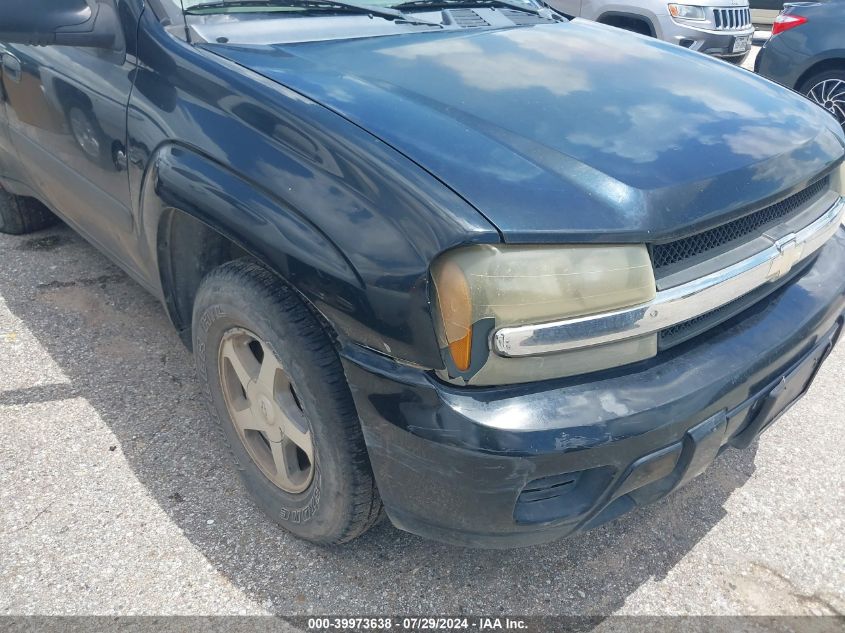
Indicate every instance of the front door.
{"type": "Point", "coordinates": [67, 115]}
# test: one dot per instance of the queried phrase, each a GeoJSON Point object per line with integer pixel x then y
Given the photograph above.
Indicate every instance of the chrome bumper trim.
{"type": "Point", "coordinates": [673, 305]}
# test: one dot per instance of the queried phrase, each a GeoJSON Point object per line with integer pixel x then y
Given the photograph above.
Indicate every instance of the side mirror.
{"type": "Point", "coordinates": [87, 23]}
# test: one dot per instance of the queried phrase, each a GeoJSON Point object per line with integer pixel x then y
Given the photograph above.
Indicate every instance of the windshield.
{"type": "Point", "coordinates": [240, 8]}
{"type": "Point", "coordinates": [241, 21]}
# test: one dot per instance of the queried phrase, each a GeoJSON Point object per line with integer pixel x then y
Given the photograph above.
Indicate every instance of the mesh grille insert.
{"type": "Point", "coordinates": [664, 255]}
{"type": "Point", "coordinates": [677, 333]}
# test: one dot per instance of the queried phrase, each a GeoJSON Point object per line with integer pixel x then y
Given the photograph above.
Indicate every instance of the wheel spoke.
{"type": "Point", "coordinates": [260, 399]}
{"type": "Point", "coordinates": [245, 420]}
{"type": "Point", "coordinates": [293, 423]}
{"type": "Point", "coordinates": [242, 360]}
{"type": "Point", "coordinates": [270, 367]}
{"type": "Point", "coordinates": [279, 451]}
{"type": "Point", "coordinates": [825, 90]}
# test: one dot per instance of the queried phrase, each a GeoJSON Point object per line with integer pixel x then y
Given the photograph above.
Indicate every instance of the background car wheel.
{"type": "Point", "coordinates": [828, 90]}
{"type": "Point", "coordinates": [278, 394]}
{"type": "Point", "coordinates": [19, 215]}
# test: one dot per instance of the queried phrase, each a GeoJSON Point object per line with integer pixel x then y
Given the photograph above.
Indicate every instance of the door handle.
{"type": "Point", "coordinates": [119, 157]}
{"type": "Point", "coordinates": [12, 67]}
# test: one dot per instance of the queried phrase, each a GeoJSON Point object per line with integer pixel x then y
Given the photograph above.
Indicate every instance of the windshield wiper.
{"type": "Point", "coordinates": [543, 11]}
{"type": "Point", "coordinates": [383, 12]}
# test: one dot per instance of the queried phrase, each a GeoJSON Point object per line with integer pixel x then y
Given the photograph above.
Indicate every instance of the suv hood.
{"type": "Point", "coordinates": [571, 131]}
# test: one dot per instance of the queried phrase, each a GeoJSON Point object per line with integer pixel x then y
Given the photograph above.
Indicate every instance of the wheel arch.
{"type": "Point", "coordinates": [181, 269]}
{"type": "Point", "coordinates": [820, 66]}
{"type": "Point", "coordinates": [609, 17]}
{"type": "Point", "coordinates": [197, 214]}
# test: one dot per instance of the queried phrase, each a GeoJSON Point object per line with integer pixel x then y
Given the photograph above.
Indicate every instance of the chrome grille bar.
{"type": "Point", "coordinates": [731, 19]}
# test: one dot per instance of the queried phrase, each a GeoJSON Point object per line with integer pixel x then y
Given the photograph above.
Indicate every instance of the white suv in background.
{"type": "Point", "coordinates": [716, 27]}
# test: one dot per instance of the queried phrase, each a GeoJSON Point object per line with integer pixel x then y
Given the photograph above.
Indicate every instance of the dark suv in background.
{"type": "Point", "coordinates": [807, 53]}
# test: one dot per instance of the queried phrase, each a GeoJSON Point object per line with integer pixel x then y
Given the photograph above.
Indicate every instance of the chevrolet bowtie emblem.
{"type": "Point", "coordinates": [789, 253]}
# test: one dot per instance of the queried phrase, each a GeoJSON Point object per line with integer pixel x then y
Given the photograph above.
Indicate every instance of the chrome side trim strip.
{"type": "Point", "coordinates": [673, 305]}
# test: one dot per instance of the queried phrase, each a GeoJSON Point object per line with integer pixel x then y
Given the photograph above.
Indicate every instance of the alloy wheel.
{"type": "Point", "coordinates": [830, 94]}
{"type": "Point", "coordinates": [266, 411]}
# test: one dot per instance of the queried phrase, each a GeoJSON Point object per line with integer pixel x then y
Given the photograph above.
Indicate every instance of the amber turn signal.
{"type": "Point", "coordinates": [455, 307]}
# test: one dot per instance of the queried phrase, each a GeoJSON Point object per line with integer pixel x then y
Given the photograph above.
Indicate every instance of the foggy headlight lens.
{"type": "Point", "coordinates": [686, 11]}
{"type": "Point", "coordinates": [479, 289]}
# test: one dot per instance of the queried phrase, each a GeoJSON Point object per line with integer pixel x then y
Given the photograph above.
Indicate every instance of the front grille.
{"type": "Point", "coordinates": [731, 19]}
{"type": "Point", "coordinates": [684, 331]}
{"type": "Point", "coordinates": [720, 237]}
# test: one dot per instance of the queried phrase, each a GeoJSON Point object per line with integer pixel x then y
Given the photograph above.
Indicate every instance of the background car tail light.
{"type": "Point", "coordinates": [785, 22]}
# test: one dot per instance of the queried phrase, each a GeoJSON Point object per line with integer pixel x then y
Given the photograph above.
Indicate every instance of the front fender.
{"type": "Point", "coordinates": [182, 179]}
{"type": "Point", "coordinates": [384, 309]}
{"type": "Point", "coordinates": [344, 218]}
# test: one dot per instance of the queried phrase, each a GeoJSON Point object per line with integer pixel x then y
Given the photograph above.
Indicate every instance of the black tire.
{"type": "Point", "coordinates": [836, 78]}
{"type": "Point", "coordinates": [341, 501]}
{"type": "Point", "coordinates": [737, 60]}
{"type": "Point", "coordinates": [20, 215]}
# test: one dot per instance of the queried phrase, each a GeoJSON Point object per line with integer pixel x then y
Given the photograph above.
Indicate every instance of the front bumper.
{"type": "Point", "coordinates": [526, 464]}
{"type": "Point", "coordinates": [710, 42]}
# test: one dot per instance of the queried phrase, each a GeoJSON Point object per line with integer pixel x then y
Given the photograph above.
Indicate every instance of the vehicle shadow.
{"type": "Point", "coordinates": [118, 351]}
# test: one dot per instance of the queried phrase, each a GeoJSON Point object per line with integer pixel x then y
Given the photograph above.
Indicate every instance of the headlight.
{"type": "Point", "coordinates": [479, 289]}
{"type": "Point", "coordinates": [686, 12]}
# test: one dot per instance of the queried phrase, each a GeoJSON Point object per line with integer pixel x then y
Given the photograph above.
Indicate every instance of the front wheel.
{"type": "Point", "coordinates": [278, 394]}
{"type": "Point", "coordinates": [828, 90]}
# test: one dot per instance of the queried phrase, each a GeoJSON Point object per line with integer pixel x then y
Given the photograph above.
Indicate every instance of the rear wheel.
{"type": "Point", "coordinates": [20, 215]}
{"type": "Point", "coordinates": [278, 394]}
{"type": "Point", "coordinates": [828, 90]}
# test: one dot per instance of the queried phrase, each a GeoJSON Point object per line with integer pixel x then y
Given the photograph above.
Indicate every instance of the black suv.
{"type": "Point", "coordinates": [501, 275]}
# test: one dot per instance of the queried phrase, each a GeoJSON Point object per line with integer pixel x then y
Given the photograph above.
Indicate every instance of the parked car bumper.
{"type": "Point", "coordinates": [520, 465]}
{"type": "Point", "coordinates": [716, 43]}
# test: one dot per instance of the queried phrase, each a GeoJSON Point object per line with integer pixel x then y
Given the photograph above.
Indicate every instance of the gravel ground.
{"type": "Point", "coordinates": [115, 497]}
